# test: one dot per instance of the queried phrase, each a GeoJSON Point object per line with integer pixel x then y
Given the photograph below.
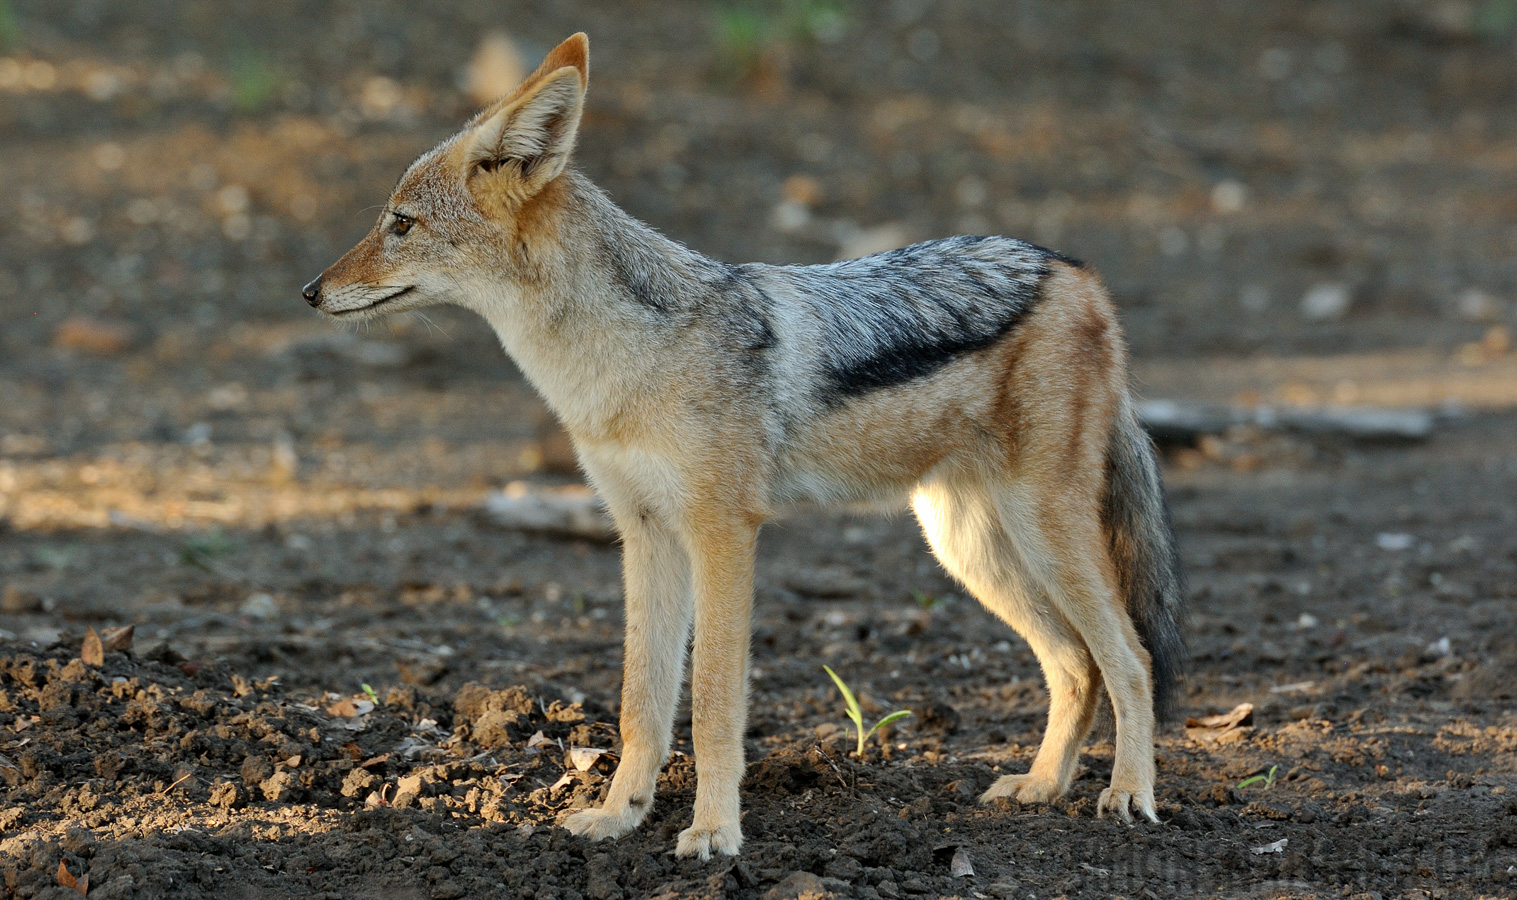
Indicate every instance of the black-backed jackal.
{"type": "Point", "coordinates": [983, 378]}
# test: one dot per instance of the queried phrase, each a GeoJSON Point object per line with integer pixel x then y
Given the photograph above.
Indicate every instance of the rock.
{"type": "Point", "coordinates": [496, 729]}
{"type": "Point", "coordinates": [227, 796]}
{"type": "Point", "coordinates": [1326, 301]}
{"type": "Point", "coordinates": [279, 787]}
{"type": "Point", "coordinates": [1175, 422]}
{"type": "Point", "coordinates": [1475, 305]}
{"type": "Point", "coordinates": [826, 583]}
{"type": "Point", "coordinates": [572, 512]}
{"type": "Point", "coordinates": [358, 783]}
{"type": "Point", "coordinates": [255, 769]}
{"type": "Point", "coordinates": [259, 606]}
{"type": "Point", "coordinates": [1229, 196]}
{"type": "Point", "coordinates": [799, 886]}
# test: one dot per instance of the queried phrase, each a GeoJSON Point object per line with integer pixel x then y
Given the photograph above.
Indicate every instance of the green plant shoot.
{"type": "Point", "coordinates": [1268, 779]}
{"type": "Point", "coordinates": [10, 30]}
{"type": "Point", "coordinates": [857, 714]}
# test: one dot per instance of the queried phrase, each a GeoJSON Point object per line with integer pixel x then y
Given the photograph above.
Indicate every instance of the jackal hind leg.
{"type": "Point", "coordinates": [1058, 532]}
{"type": "Point", "coordinates": [658, 602]}
{"type": "Point", "coordinates": [965, 528]}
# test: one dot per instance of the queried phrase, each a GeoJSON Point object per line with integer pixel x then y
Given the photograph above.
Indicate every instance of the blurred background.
{"type": "Point", "coordinates": [1297, 203]}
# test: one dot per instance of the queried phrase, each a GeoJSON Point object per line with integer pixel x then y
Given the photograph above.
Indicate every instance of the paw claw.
{"type": "Point", "coordinates": [701, 842]}
{"type": "Point", "coordinates": [1121, 804]}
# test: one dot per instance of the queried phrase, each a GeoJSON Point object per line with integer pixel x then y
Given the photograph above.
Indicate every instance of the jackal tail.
{"type": "Point", "coordinates": [1141, 535]}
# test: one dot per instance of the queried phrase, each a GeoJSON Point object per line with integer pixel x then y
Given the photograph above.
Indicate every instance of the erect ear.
{"type": "Point", "coordinates": [527, 138]}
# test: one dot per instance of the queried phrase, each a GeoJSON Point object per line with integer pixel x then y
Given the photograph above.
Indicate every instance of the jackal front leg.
{"type": "Point", "coordinates": [722, 559]}
{"type": "Point", "coordinates": [657, 583]}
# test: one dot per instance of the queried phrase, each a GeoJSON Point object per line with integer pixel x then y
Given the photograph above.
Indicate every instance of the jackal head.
{"type": "Point", "coordinates": [455, 227]}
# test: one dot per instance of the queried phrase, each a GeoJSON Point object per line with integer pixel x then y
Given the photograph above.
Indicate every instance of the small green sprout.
{"type": "Point", "coordinates": [741, 35]}
{"type": "Point", "coordinates": [10, 30]}
{"type": "Point", "coordinates": [369, 692]}
{"type": "Point", "coordinates": [1268, 779]}
{"type": "Point", "coordinates": [925, 600]}
{"type": "Point", "coordinates": [1495, 19]}
{"type": "Point", "coordinates": [256, 78]}
{"type": "Point", "coordinates": [201, 550]}
{"type": "Point", "coordinates": [54, 556]}
{"type": "Point", "coordinates": [752, 36]}
{"type": "Point", "coordinates": [857, 714]}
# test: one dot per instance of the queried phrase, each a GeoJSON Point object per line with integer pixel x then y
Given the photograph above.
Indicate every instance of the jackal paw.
{"type": "Point", "coordinates": [600, 824]}
{"type": "Point", "coordinates": [701, 841]}
{"type": "Point", "coordinates": [1023, 789]}
{"type": "Point", "coordinates": [1121, 804]}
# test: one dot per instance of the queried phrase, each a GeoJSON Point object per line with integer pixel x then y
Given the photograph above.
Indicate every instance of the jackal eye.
{"type": "Point", "coordinates": [402, 224]}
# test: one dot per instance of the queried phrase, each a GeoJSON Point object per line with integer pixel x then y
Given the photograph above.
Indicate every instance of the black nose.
{"type": "Point", "coordinates": [312, 291]}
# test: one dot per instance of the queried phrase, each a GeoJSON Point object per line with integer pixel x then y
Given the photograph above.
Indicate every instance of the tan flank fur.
{"type": "Point", "coordinates": [981, 379]}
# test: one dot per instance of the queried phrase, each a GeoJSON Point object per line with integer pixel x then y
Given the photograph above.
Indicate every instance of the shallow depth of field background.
{"type": "Point", "coordinates": [1300, 207]}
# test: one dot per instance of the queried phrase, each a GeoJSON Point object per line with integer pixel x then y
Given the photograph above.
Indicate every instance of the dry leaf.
{"type": "Point", "coordinates": [350, 708]}
{"type": "Point", "coordinates": [568, 778]}
{"type": "Point", "coordinates": [1293, 687]}
{"type": "Point", "coordinates": [1242, 714]}
{"type": "Point", "coordinates": [93, 652]}
{"type": "Point", "coordinates": [412, 747]}
{"type": "Point", "coordinates": [961, 867]}
{"type": "Point", "coordinates": [585, 758]}
{"type": "Point", "coordinates": [371, 763]}
{"type": "Point", "coordinates": [1230, 724]}
{"type": "Point", "coordinates": [1276, 847]}
{"type": "Point", "coordinates": [82, 885]}
{"type": "Point", "coordinates": [538, 740]}
{"type": "Point", "coordinates": [119, 640]}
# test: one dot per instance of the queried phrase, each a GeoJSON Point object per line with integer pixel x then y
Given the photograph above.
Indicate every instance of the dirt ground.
{"type": "Point", "coordinates": [345, 681]}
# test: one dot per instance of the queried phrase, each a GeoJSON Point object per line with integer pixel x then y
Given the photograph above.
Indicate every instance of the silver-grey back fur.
{"type": "Point", "coordinates": [861, 324]}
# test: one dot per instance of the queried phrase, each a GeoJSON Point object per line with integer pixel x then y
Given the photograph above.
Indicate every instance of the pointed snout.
{"type": "Point", "coordinates": [312, 292]}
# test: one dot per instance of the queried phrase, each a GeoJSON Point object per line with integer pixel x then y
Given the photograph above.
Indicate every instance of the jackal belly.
{"type": "Point", "coordinates": [874, 449]}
